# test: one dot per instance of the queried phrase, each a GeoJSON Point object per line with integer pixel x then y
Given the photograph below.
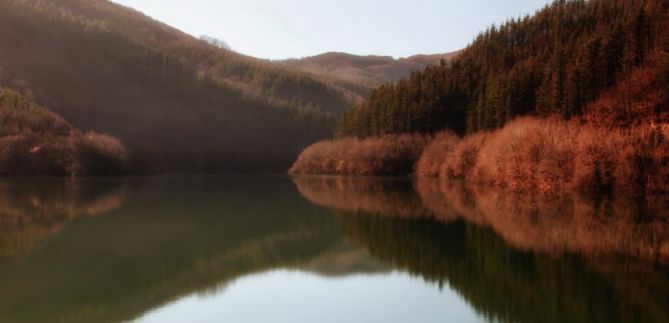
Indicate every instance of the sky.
{"type": "Point", "coordinates": [279, 29]}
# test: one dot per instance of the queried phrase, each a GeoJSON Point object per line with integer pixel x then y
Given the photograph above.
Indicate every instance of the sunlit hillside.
{"type": "Point", "coordinates": [361, 74]}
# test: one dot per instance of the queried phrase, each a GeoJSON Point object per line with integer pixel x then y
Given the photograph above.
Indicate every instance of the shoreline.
{"type": "Point", "coordinates": [527, 154]}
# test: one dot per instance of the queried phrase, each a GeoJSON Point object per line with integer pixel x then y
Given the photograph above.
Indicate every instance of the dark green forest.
{"type": "Point", "coordinates": [601, 60]}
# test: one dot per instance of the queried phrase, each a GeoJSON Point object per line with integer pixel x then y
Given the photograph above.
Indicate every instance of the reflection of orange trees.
{"type": "Point", "coordinates": [588, 259]}
{"type": "Point", "coordinates": [451, 208]}
{"type": "Point", "coordinates": [508, 285]}
{"type": "Point", "coordinates": [557, 223]}
{"type": "Point", "coordinates": [536, 222]}
{"type": "Point", "coordinates": [31, 212]}
{"type": "Point", "coordinates": [383, 197]}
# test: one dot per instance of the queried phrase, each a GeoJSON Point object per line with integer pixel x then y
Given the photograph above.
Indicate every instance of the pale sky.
{"type": "Point", "coordinates": [278, 29]}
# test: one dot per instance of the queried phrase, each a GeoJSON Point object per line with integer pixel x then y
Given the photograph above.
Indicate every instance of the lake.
{"type": "Point", "coordinates": [325, 249]}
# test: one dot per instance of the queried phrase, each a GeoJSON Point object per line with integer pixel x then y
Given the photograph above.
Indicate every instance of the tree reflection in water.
{"type": "Point", "coordinates": [514, 257]}
{"type": "Point", "coordinates": [162, 238]}
{"type": "Point", "coordinates": [34, 210]}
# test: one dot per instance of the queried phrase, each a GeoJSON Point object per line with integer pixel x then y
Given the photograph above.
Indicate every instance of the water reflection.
{"type": "Point", "coordinates": [34, 210]}
{"type": "Point", "coordinates": [171, 237]}
{"type": "Point", "coordinates": [537, 222]}
{"type": "Point", "coordinates": [518, 258]}
{"type": "Point", "coordinates": [557, 223]}
{"type": "Point", "coordinates": [297, 296]}
{"type": "Point", "coordinates": [366, 195]}
{"type": "Point", "coordinates": [171, 241]}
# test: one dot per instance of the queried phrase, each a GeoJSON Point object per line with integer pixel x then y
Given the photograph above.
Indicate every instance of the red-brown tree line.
{"type": "Point", "coordinates": [35, 141]}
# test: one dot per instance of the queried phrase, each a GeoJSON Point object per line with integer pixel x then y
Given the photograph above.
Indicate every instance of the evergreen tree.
{"type": "Point", "coordinates": [555, 62]}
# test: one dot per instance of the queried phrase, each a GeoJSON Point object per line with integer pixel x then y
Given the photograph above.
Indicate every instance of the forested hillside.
{"type": "Point", "coordinates": [35, 141]}
{"type": "Point", "coordinates": [593, 76]}
{"type": "Point", "coordinates": [360, 74]}
{"type": "Point", "coordinates": [604, 60]}
{"type": "Point", "coordinates": [179, 103]}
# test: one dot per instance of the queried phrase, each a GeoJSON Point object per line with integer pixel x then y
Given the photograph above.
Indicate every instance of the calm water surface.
{"type": "Point", "coordinates": [275, 249]}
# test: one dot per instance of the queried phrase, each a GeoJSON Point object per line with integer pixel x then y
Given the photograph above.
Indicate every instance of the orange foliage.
{"type": "Point", "coordinates": [528, 153]}
{"type": "Point", "coordinates": [449, 156]}
{"type": "Point", "coordinates": [435, 153]}
{"type": "Point", "coordinates": [638, 98]}
{"type": "Point", "coordinates": [550, 154]}
{"type": "Point", "coordinates": [386, 155]}
{"type": "Point", "coordinates": [36, 141]}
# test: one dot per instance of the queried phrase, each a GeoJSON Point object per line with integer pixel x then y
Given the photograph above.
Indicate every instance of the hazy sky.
{"type": "Point", "coordinates": [296, 28]}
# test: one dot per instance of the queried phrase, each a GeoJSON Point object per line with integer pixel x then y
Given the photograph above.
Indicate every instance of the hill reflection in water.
{"type": "Point", "coordinates": [155, 240]}
{"type": "Point", "coordinates": [515, 258]}
{"type": "Point", "coordinates": [536, 222]}
{"type": "Point", "coordinates": [114, 250]}
{"type": "Point", "coordinates": [34, 210]}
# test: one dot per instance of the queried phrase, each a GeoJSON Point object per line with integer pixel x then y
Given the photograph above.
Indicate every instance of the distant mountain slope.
{"type": "Point", "coordinates": [248, 74]}
{"type": "Point", "coordinates": [179, 103]}
{"type": "Point", "coordinates": [362, 73]}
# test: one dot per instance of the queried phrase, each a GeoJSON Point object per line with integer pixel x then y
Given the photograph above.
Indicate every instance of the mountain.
{"type": "Point", "coordinates": [179, 103]}
{"type": "Point", "coordinates": [35, 141]}
{"type": "Point", "coordinates": [360, 74]}
{"type": "Point", "coordinates": [605, 61]}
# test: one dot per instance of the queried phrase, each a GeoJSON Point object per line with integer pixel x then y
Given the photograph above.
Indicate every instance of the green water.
{"type": "Point", "coordinates": [274, 249]}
